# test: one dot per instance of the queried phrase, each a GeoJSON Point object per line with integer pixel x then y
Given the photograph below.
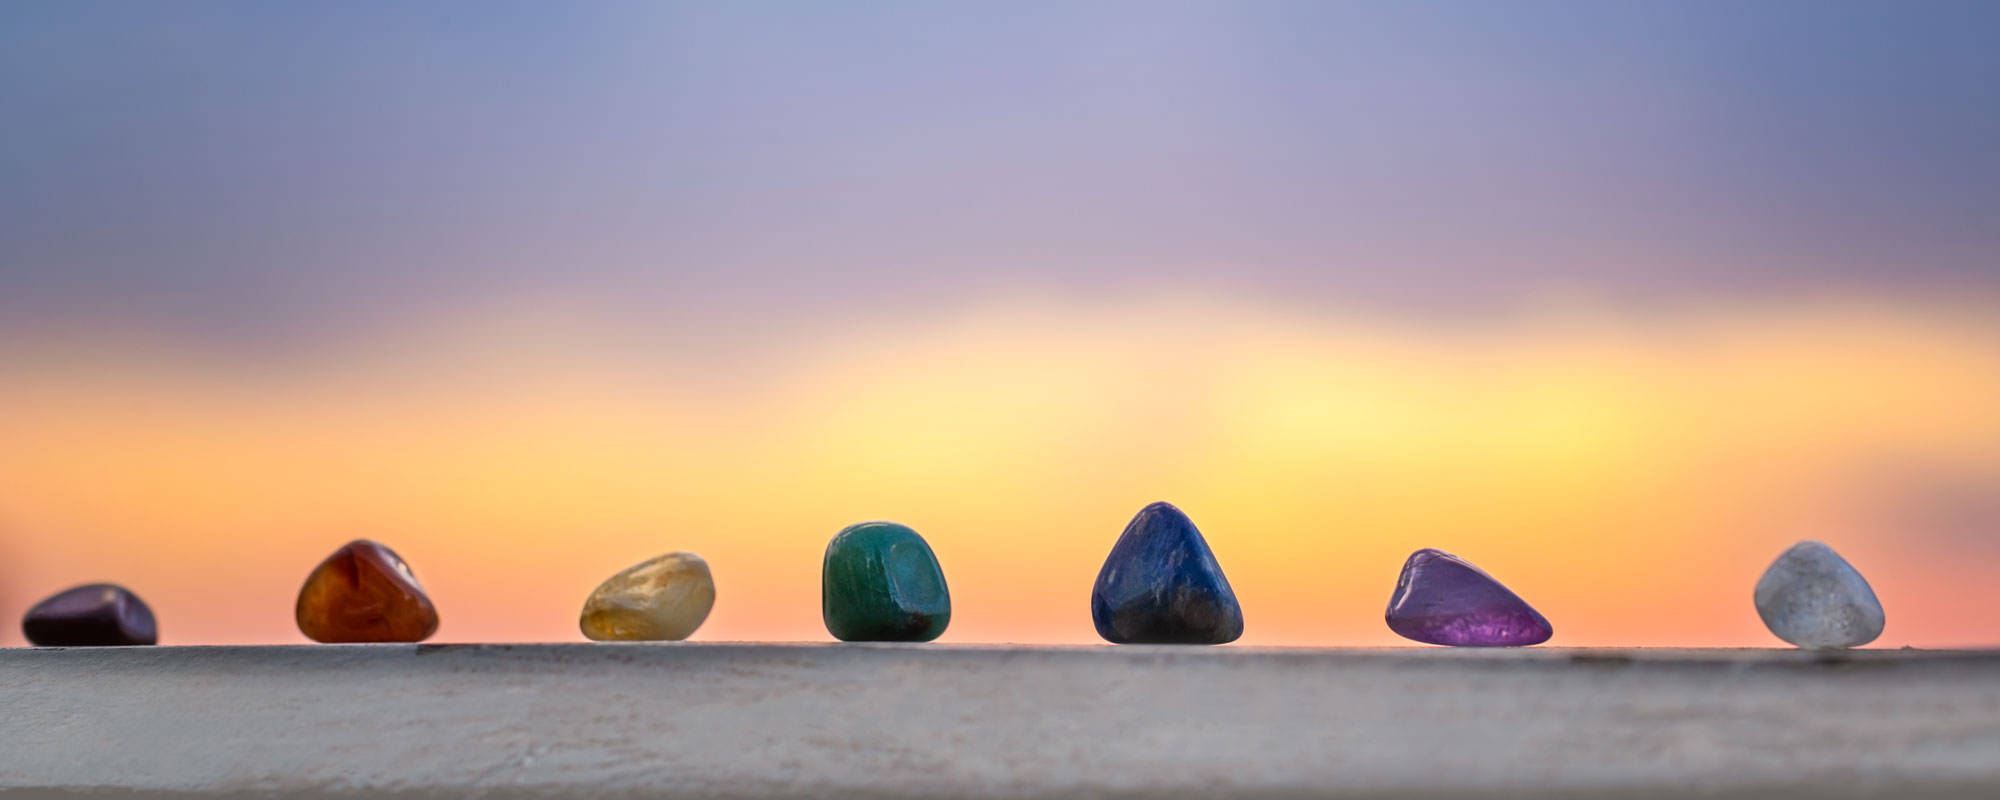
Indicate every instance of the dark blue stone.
{"type": "Point", "coordinates": [1161, 585]}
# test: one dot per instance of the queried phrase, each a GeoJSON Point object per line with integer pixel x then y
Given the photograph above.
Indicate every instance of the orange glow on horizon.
{"type": "Point", "coordinates": [1629, 477]}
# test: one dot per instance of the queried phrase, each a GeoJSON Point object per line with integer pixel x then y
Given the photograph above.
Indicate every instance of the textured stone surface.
{"type": "Point", "coordinates": [880, 582]}
{"type": "Point", "coordinates": [664, 598]}
{"type": "Point", "coordinates": [1813, 598]}
{"type": "Point", "coordinates": [1442, 599]}
{"type": "Point", "coordinates": [96, 615]}
{"type": "Point", "coordinates": [722, 721]}
{"type": "Point", "coordinates": [1162, 585]}
{"type": "Point", "coordinates": [364, 593]}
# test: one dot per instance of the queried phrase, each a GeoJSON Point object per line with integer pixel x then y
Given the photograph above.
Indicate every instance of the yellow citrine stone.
{"type": "Point", "coordinates": [659, 599]}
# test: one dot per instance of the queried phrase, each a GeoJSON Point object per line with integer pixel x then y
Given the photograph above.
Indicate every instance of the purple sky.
{"type": "Point", "coordinates": [284, 168]}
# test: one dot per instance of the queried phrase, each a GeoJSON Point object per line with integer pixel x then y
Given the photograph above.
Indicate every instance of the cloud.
{"type": "Point", "coordinates": [1951, 505]}
{"type": "Point", "coordinates": [307, 173]}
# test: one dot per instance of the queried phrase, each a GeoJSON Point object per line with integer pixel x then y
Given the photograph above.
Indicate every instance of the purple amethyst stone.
{"type": "Point", "coordinates": [1441, 599]}
{"type": "Point", "coordinates": [96, 615]}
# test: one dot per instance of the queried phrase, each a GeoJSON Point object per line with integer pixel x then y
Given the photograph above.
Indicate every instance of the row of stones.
{"type": "Point", "coordinates": [880, 582]}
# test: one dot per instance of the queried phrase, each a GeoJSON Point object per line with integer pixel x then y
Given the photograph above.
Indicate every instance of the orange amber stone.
{"type": "Point", "coordinates": [365, 593]}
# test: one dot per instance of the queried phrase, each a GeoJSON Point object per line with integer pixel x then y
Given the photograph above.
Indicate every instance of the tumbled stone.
{"type": "Point", "coordinates": [1162, 585]}
{"type": "Point", "coordinates": [1813, 598]}
{"type": "Point", "coordinates": [660, 599]}
{"type": "Point", "coordinates": [97, 615]}
{"type": "Point", "coordinates": [1442, 599]}
{"type": "Point", "coordinates": [881, 583]}
{"type": "Point", "coordinates": [365, 593]}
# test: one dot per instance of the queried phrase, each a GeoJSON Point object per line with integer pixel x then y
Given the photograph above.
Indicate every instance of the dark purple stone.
{"type": "Point", "coordinates": [1441, 599]}
{"type": "Point", "coordinates": [97, 615]}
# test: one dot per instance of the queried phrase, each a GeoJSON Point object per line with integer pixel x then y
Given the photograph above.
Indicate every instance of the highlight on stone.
{"type": "Point", "coordinates": [664, 598]}
{"type": "Point", "coordinates": [1813, 598]}
{"type": "Point", "coordinates": [880, 582]}
{"type": "Point", "coordinates": [1162, 585]}
{"type": "Point", "coordinates": [1443, 599]}
{"type": "Point", "coordinates": [364, 593]}
{"type": "Point", "coordinates": [94, 615]}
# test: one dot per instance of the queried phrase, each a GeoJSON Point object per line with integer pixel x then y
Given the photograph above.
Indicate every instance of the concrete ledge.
{"type": "Point", "coordinates": [752, 720]}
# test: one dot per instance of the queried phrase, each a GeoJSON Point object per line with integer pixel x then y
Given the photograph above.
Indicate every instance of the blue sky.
{"type": "Point", "coordinates": [284, 167]}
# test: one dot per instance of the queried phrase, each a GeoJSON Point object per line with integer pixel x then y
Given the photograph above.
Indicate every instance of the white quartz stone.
{"type": "Point", "coordinates": [1813, 598]}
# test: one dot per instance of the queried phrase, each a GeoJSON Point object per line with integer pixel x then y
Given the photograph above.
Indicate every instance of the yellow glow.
{"type": "Point", "coordinates": [1630, 477]}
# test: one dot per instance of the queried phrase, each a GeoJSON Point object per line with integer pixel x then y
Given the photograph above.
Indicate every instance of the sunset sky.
{"type": "Point", "coordinates": [1613, 300]}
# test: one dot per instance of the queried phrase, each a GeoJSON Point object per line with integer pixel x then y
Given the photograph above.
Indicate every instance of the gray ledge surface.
{"type": "Point", "coordinates": [819, 720]}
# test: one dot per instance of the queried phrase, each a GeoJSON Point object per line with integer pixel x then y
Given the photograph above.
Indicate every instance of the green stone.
{"type": "Point", "coordinates": [881, 583]}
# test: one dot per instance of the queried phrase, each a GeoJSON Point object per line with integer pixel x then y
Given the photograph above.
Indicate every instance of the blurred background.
{"type": "Point", "coordinates": [1614, 300]}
